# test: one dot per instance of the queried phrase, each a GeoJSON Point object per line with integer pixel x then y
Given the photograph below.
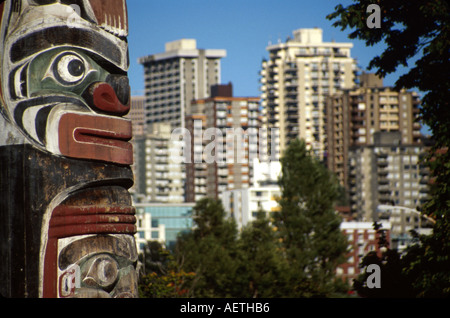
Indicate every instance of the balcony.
{"type": "Point", "coordinates": [291, 100]}
{"type": "Point", "coordinates": [291, 109]}
{"type": "Point", "coordinates": [385, 197]}
{"type": "Point", "coordinates": [384, 189]}
{"type": "Point", "coordinates": [291, 84]}
{"type": "Point", "coordinates": [382, 162]}
{"type": "Point", "coordinates": [293, 116]}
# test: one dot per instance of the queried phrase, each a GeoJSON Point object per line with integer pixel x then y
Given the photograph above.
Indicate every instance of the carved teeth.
{"type": "Point", "coordinates": [114, 25]}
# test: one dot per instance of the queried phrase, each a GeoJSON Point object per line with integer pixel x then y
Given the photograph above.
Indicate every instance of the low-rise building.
{"type": "Point", "coordinates": [362, 239]}
{"type": "Point", "coordinates": [162, 222]}
{"type": "Point", "coordinates": [244, 204]}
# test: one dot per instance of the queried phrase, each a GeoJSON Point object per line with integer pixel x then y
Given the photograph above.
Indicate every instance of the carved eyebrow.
{"type": "Point", "coordinates": [55, 36]}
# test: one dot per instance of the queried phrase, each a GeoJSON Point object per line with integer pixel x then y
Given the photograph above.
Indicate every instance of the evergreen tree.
{"type": "Point", "coordinates": [155, 258]}
{"type": "Point", "coordinates": [210, 251]}
{"type": "Point", "coordinates": [263, 267]}
{"type": "Point", "coordinates": [308, 227]}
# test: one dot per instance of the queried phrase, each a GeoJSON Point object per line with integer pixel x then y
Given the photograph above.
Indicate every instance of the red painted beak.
{"type": "Point", "coordinates": [91, 136]}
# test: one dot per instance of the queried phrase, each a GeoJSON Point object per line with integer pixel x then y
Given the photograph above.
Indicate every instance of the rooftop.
{"type": "Point", "coordinates": [182, 48]}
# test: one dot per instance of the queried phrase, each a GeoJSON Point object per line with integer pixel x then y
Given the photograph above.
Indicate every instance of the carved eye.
{"type": "Point", "coordinates": [102, 271]}
{"type": "Point", "coordinates": [69, 69]}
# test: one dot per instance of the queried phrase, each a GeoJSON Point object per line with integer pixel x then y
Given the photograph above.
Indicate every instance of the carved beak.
{"type": "Point", "coordinates": [111, 97]}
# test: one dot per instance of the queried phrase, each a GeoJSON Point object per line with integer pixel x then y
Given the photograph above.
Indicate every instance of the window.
{"type": "Point", "coordinates": [361, 251]}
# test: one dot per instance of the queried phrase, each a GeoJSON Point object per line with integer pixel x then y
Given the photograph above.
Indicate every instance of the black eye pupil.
{"type": "Point", "coordinates": [76, 68]}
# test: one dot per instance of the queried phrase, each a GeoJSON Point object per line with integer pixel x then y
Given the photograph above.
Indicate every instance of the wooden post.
{"type": "Point", "coordinates": [67, 223]}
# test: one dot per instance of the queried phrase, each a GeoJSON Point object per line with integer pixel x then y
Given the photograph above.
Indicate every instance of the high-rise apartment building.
{"type": "Point", "coordinates": [196, 168]}
{"type": "Point", "coordinates": [225, 137]}
{"type": "Point", "coordinates": [176, 77]}
{"type": "Point", "coordinates": [295, 81]}
{"type": "Point", "coordinates": [386, 172]}
{"type": "Point", "coordinates": [355, 115]}
{"type": "Point", "coordinates": [159, 174]}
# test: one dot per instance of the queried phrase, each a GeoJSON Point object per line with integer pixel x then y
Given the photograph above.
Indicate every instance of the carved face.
{"type": "Point", "coordinates": [105, 271]}
{"type": "Point", "coordinates": [63, 76]}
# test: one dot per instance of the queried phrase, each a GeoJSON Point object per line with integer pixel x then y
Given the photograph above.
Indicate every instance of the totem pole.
{"type": "Point", "coordinates": [66, 216]}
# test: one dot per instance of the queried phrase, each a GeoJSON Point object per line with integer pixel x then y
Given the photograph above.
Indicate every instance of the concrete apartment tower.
{"type": "Point", "coordinates": [296, 79]}
{"type": "Point", "coordinates": [355, 115]}
{"type": "Point", "coordinates": [159, 176]}
{"type": "Point", "coordinates": [387, 172]}
{"type": "Point", "coordinates": [176, 77]}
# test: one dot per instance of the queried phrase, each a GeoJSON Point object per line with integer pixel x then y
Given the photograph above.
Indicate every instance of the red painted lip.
{"type": "Point", "coordinates": [69, 221]}
{"type": "Point", "coordinates": [89, 136]}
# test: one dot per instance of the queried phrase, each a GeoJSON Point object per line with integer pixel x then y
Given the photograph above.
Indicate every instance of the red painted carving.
{"type": "Point", "coordinates": [72, 221]}
{"type": "Point", "coordinates": [81, 220]}
{"type": "Point", "coordinates": [96, 137]}
{"type": "Point", "coordinates": [105, 99]}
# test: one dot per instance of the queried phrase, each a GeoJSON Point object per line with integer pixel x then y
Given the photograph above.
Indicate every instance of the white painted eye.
{"type": "Point", "coordinates": [69, 69]}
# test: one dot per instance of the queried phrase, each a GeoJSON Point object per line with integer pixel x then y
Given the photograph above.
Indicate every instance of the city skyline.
{"type": "Point", "coordinates": [244, 29]}
{"type": "Point", "coordinates": [288, 57]}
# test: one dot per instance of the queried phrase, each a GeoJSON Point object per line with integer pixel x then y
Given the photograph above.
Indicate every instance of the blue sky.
{"type": "Point", "coordinates": [242, 27]}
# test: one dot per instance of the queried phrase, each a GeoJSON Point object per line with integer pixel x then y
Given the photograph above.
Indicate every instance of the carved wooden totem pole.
{"type": "Point", "coordinates": [66, 216]}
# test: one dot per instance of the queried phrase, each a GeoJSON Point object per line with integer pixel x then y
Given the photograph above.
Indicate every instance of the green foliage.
{"type": "Point", "coordinates": [162, 278]}
{"type": "Point", "coordinates": [171, 285]}
{"type": "Point", "coordinates": [210, 250]}
{"type": "Point", "coordinates": [307, 224]}
{"type": "Point", "coordinates": [155, 258]}
{"type": "Point", "coordinates": [428, 263]}
{"type": "Point", "coordinates": [263, 265]}
{"type": "Point", "coordinates": [419, 30]}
